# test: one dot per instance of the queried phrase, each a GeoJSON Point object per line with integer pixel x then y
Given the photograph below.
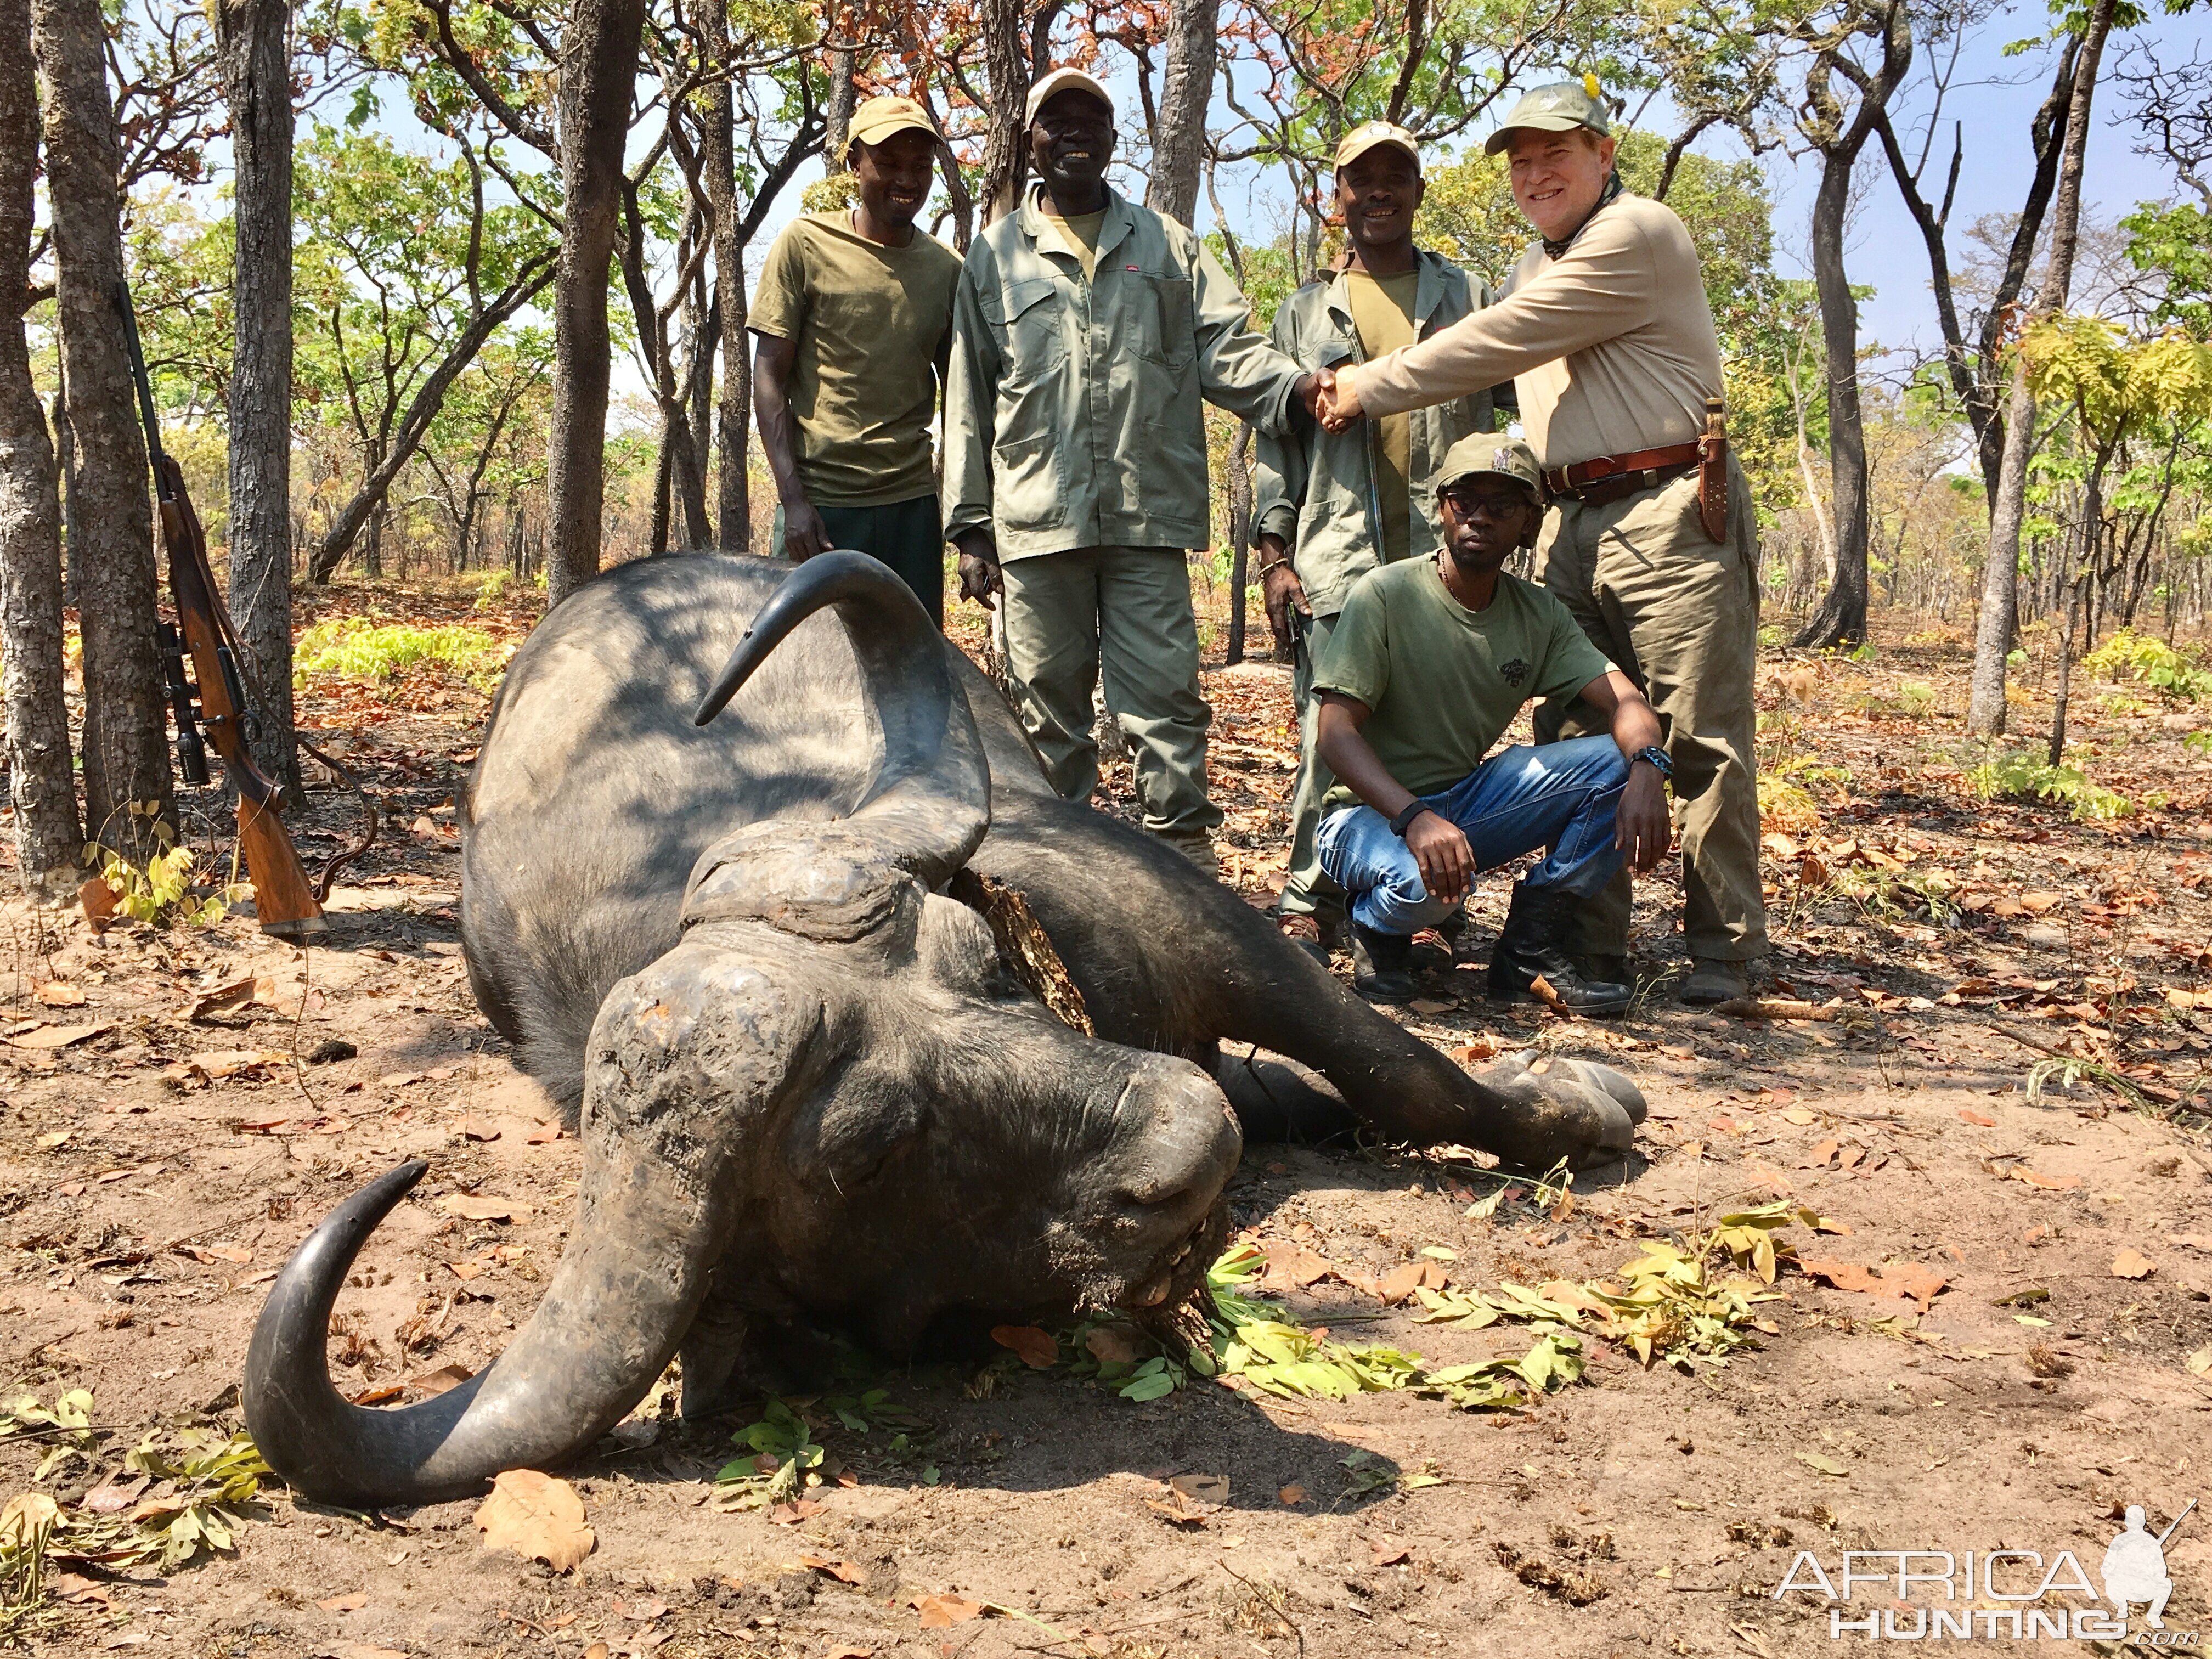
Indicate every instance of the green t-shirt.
{"type": "Point", "coordinates": [1444, 681]}
{"type": "Point", "coordinates": [872, 325]}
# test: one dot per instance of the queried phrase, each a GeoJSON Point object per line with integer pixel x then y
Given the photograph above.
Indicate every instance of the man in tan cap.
{"type": "Point", "coordinates": [1431, 660]}
{"type": "Point", "coordinates": [1086, 331]}
{"type": "Point", "coordinates": [1330, 507]}
{"type": "Point", "coordinates": [1652, 542]}
{"type": "Point", "coordinates": [854, 316]}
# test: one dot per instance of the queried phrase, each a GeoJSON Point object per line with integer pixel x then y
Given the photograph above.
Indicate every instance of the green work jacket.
{"type": "Point", "coordinates": [1073, 412]}
{"type": "Point", "coordinates": [1316, 489]}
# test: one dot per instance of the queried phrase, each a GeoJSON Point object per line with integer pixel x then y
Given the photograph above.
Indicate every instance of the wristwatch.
{"type": "Point", "coordinates": [1657, 757]}
{"type": "Point", "coordinates": [1404, 821]}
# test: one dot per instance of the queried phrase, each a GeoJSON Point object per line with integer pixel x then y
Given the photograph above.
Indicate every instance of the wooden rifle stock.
{"type": "Point", "coordinates": [283, 900]}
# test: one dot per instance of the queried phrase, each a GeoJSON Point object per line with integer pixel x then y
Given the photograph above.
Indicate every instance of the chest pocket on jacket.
{"type": "Point", "coordinates": [1161, 318]}
{"type": "Point", "coordinates": [1032, 319]}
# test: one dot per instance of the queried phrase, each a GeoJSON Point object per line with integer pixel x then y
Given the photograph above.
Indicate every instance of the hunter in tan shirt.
{"type": "Point", "coordinates": [1605, 329]}
{"type": "Point", "coordinates": [1611, 345]}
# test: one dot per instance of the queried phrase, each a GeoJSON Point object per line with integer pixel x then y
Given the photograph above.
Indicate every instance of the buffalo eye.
{"type": "Point", "coordinates": [862, 1130]}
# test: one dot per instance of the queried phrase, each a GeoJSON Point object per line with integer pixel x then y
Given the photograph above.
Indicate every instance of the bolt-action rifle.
{"type": "Point", "coordinates": [282, 899]}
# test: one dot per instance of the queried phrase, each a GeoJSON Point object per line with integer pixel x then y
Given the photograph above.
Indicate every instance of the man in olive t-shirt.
{"type": "Point", "coordinates": [1431, 660]}
{"type": "Point", "coordinates": [853, 315]}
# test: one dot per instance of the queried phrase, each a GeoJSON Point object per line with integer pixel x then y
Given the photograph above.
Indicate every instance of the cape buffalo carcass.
{"type": "Point", "coordinates": [810, 1087]}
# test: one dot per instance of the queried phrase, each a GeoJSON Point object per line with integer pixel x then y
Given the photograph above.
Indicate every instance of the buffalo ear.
{"type": "Point", "coordinates": [859, 1129]}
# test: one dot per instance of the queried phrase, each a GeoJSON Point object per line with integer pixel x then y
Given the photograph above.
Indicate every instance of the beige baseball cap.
{"type": "Point", "coordinates": [1494, 453]}
{"type": "Point", "coordinates": [1560, 107]}
{"type": "Point", "coordinates": [1370, 136]}
{"type": "Point", "coordinates": [1062, 80]}
{"type": "Point", "coordinates": [879, 118]}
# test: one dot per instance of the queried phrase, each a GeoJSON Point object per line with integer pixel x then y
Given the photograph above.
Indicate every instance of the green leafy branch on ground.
{"type": "Point", "coordinates": [2176, 675]}
{"type": "Point", "coordinates": [180, 1493]}
{"type": "Point", "coordinates": [787, 1455]}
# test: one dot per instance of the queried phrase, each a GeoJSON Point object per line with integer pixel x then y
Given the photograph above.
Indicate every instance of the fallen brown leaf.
{"type": "Point", "coordinates": [58, 1036]}
{"type": "Point", "coordinates": [790, 1514]}
{"type": "Point", "coordinates": [232, 1062]}
{"type": "Point", "coordinates": [1387, 1551]}
{"type": "Point", "coordinates": [1967, 1114]}
{"type": "Point", "coordinates": [223, 996]}
{"type": "Point", "coordinates": [98, 900]}
{"type": "Point", "coordinates": [2048, 1183]}
{"type": "Point", "coordinates": [52, 993]}
{"type": "Point", "coordinates": [1036, 1348]}
{"type": "Point", "coordinates": [475, 1128]}
{"type": "Point", "coordinates": [539, 1517]}
{"type": "Point", "coordinates": [844, 1571]}
{"type": "Point", "coordinates": [943, 1612]}
{"type": "Point", "coordinates": [2133, 1264]}
{"type": "Point", "coordinates": [1293, 1495]}
{"type": "Point", "coordinates": [847, 1650]}
{"type": "Point", "coordinates": [352, 1602]}
{"type": "Point", "coordinates": [437, 1382]}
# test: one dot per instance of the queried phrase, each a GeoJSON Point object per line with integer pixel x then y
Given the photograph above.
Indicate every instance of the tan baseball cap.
{"type": "Point", "coordinates": [1062, 80]}
{"type": "Point", "coordinates": [1560, 107]}
{"type": "Point", "coordinates": [1494, 453]}
{"type": "Point", "coordinates": [1370, 136]}
{"type": "Point", "coordinates": [879, 118]}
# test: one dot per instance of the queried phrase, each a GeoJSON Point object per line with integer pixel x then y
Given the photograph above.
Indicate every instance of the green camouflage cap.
{"type": "Point", "coordinates": [1559, 108]}
{"type": "Point", "coordinates": [1490, 452]}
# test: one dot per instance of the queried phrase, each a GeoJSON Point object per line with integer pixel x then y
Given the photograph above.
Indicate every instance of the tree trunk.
{"type": "Point", "coordinates": [732, 505]}
{"type": "Point", "coordinates": [598, 74]}
{"type": "Point", "coordinates": [1985, 709]}
{"type": "Point", "coordinates": [127, 760]}
{"type": "Point", "coordinates": [1006, 60]}
{"type": "Point", "coordinates": [1240, 536]}
{"type": "Point", "coordinates": [41, 784]}
{"type": "Point", "coordinates": [1179, 140]}
{"type": "Point", "coordinates": [837, 115]}
{"type": "Point", "coordinates": [1841, 619]}
{"type": "Point", "coordinates": [1999, 618]}
{"type": "Point", "coordinates": [253, 46]}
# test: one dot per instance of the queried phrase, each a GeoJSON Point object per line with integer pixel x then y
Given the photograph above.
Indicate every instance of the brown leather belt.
{"type": "Point", "coordinates": [1604, 478]}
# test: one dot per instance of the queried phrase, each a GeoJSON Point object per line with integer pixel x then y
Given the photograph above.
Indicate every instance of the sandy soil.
{"type": "Point", "coordinates": [144, 1203]}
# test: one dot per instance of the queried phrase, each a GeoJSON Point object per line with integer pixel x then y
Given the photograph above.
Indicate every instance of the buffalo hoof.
{"type": "Point", "coordinates": [1575, 1109]}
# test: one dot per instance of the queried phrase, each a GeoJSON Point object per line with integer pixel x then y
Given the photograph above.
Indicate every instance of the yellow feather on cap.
{"type": "Point", "coordinates": [1591, 86]}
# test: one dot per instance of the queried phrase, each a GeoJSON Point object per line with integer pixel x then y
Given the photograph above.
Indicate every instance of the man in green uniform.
{"type": "Point", "coordinates": [1330, 507]}
{"type": "Point", "coordinates": [1605, 327]}
{"type": "Point", "coordinates": [854, 316]}
{"type": "Point", "coordinates": [1087, 330]}
{"type": "Point", "coordinates": [1431, 660]}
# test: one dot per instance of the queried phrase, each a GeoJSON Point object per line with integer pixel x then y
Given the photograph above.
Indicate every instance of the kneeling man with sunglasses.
{"type": "Point", "coordinates": [1431, 660]}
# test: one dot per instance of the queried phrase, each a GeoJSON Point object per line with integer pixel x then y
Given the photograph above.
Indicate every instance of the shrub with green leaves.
{"type": "Point", "coordinates": [2176, 675]}
{"type": "Point", "coordinates": [2019, 776]}
{"type": "Point", "coordinates": [353, 648]}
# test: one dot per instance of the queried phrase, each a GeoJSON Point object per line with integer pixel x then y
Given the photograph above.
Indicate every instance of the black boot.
{"type": "Point", "coordinates": [1528, 946]}
{"type": "Point", "coordinates": [1382, 965]}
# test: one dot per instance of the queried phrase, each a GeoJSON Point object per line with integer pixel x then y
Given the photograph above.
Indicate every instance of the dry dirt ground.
{"type": "Point", "coordinates": [146, 1200]}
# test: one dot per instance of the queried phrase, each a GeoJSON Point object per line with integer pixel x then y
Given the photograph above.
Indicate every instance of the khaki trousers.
{"type": "Point", "coordinates": [1679, 615]}
{"type": "Point", "coordinates": [1126, 610]}
{"type": "Point", "coordinates": [1307, 889]}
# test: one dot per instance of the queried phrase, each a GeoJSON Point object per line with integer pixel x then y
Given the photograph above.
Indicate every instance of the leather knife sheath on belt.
{"type": "Point", "coordinates": [1606, 478]}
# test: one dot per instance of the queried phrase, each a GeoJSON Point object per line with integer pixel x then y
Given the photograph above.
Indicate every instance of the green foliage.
{"type": "Point", "coordinates": [2021, 777]}
{"type": "Point", "coordinates": [163, 892]}
{"type": "Point", "coordinates": [2176, 675]}
{"type": "Point", "coordinates": [785, 1459]}
{"type": "Point", "coordinates": [353, 648]}
{"type": "Point", "coordinates": [197, 1486]}
{"type": "Point", "coordinates": [70, 1412]}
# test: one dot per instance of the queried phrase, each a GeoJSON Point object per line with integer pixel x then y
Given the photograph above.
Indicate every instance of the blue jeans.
{"type": "Point", "coordinates": [1562, 796]}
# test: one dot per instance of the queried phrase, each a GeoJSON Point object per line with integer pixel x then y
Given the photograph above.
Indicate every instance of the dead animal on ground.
{"type": "Point", "coordinates": [743, 939]}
